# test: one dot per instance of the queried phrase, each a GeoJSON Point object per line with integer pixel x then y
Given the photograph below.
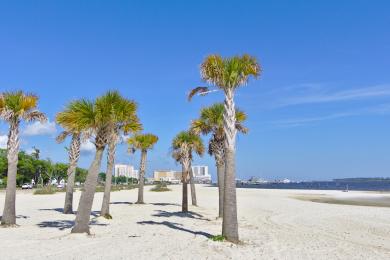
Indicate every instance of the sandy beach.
{"type": "Point", "coordinates": [274, 224]}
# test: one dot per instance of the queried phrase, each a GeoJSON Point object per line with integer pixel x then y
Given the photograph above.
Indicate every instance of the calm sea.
{"type": "Point", "coordinates": [324, 185]}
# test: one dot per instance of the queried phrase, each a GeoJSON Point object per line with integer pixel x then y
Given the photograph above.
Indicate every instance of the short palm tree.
{"type": "Point", "coordinates": [183, 145]}
{"type": "Point", "coordinates": [211, 122]}
{"type": "Point", "coordinates": [69, 118]}
{"type": "Point", "coordinates": [15, 107]}
{"type": "Point", "coordinates": [228, 74]}
{"type": "Point", "coordinates": [142, 142]}
{"type": "Point", "coordinates": [123, 120]}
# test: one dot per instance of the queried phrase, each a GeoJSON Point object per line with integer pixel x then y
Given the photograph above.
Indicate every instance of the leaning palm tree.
{"type": "Point", "coordinates": [15, 107]}
{"type": "Point", "coordinates": [92, 115]}
{"type": "Point", "coordinates": [123, 120]}
{"type": "Point", "coordinates": [211, 122]}
{"type": "Point", "coordinates": [142, 142]}
{"type": "Point", "coordinates": [183, 145]}
{"type": "Point", "coordinates": [228, 74]}
{"type": "Point", "coordinates": [69, 119]}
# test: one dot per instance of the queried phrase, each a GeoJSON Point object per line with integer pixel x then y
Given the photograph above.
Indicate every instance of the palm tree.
{"type": "Point", "coordinates": [183, 145]}
{"type": "Point", "coordinates": [15, 107]}
{"type": "Point", "coordinates": [91, 115]}
{"type": "Point", "coordinates": [69, 119]}
{"type": "Point", "coordinates": [123, 120]}
{"type": "Point", "coordinates": [211, 121]}
{"type": "Point", "coordinates": [228, 74]}
{"type": "Point", "coordinates": [143, 142]}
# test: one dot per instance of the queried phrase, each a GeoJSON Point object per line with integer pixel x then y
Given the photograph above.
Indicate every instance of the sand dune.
{"type": "Point", "coordinates": [273, 225]}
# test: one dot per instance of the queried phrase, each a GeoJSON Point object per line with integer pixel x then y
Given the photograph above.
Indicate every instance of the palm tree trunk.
{"type": "Point", "coordinates": [184, 204]}
{"type": "Point", "coordinates": [192, 185]}
{"type": "Point", "coordinates": [105, 211]}
{"type": "Point", "coordinates": [86, 200]}
{"type": "Point", "coordinates": [74, 154]}
{"type": "Point", "coordinates": [141, 178]}
{"type": "Point", "coordinates": [9, 214]}
{"type": "Point", "coordinates": [221, 184]}
{"type": "Point", "coordinates": [230, 223]}
{"type": "Point", "coordinates": [68, 206]}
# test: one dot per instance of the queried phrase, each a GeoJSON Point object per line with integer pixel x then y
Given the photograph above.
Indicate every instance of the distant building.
{"type": "Point", "coordinates": [167, 175]}
{"type": "Point", "coordinates": [125, 170]}
{"type": "Point", "coordinates": [201, 174]}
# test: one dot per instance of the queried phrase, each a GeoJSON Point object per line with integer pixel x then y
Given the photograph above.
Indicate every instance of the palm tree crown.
{"type": "Point", "coordinates": [211, 121]}
{"type": "Point", "coordinates": [142, 142]}
{"type": "Point", "coordinates": [185, 143]}
{"type": "Point", "coordinates": [18, 105]}
{"type": "Point", "coordinates": [227, 73]}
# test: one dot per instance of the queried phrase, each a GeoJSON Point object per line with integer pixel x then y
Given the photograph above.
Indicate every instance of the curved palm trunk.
{"type": "Point", "coordinates": [221, 184]}
{"type": "Point", "coordinates": [9, 214]}
{"type": "Point", "coordinates": [141, 178]}
{"type": "Point", "coordinates": [230, 223]}
{"type": "Point", "coordinates": [74, 154]}
{"type": "Point", "coordinates": [86, 200]}
{"type": "Point", "coordinates": [192, 186]}
{"type": "Point", "coordinates": [105, 211]}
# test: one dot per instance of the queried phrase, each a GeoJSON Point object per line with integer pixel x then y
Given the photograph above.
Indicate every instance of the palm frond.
{"type": "Point", "coordinates": [198, 90]}
{"type": "Point", "coordinates": [62, 136]}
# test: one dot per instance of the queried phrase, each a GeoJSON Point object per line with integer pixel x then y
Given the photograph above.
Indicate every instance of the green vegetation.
{"type": "Point", "coordinates": [30, 167]}
{"type": "Point", "coordinates": [45, 190]}
{"type": "Point", "coordinates": [218, 238]}
{"type": "Point", "coordinates": [160, 187]}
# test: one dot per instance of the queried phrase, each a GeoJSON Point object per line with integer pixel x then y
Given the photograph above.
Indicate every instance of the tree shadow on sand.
{"type": "Point", "coordinates": [164, 204]}
{"type": "Point", "coordinates": [61, 210]}
{"type": "Point", "coordinates": [63, 224]}
{"type": "Point", "coordinates": [176, 226]}
{"type": "Point", "coordinates": [189, 214]}
{"type": "Point", "coordinates": [121, 202]}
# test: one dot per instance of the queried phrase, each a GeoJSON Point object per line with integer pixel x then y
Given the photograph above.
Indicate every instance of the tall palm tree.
{"type": "Point", "coordinates": [142, 142]}
{"type": "Point", "coordinates": [211, 121]}
{"type": "Point", "coordinates": [228, 74]}
{"type": "Point", "coordinates": [123, 120]}
{"type": "Point", "coordinates": [94, 116]}
{"type": "Point", "coordinates": [15, 107]}
{"type": "Point", "coordinates": [69, 119]}
{"type": "Point", "coordinates": [183, 145]}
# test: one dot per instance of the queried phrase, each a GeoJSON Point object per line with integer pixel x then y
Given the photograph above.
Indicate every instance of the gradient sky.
{"type": "Point", "coordinates": [320, 110]}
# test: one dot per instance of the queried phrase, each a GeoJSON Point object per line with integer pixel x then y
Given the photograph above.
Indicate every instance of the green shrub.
{"type": "Point", "coordinates": [218, 238]}
{"type": "Point", "coordinates": [45, 190]}
{"type": "Point", "coordinates": [160, 187]}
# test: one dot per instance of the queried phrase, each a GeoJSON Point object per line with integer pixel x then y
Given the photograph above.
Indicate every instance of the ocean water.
{"type": "Point", "coordinates": [324, 185]}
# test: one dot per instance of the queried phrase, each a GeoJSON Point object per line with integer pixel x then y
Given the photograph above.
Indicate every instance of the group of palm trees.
{"type": "Point", "coordinates": [108, 118]}
{"type": "Point", "coordinates": [222, 121]}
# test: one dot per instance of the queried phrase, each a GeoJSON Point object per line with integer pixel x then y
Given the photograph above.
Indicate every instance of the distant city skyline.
{"type": "Point", "coordinates": [319, 111]}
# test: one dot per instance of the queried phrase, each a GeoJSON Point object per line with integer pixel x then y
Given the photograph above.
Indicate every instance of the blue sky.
{"type": "Point", "coordinates": [320, 110]}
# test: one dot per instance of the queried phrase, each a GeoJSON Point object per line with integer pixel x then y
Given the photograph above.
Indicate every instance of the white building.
{"type": "Point", "coordinates": [201, 174]}
{"type": "Point", "coordinates": [125, 170]}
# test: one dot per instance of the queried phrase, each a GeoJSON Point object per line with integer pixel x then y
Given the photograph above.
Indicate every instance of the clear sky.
{"type": "Point", "coordinates": [320, 110]}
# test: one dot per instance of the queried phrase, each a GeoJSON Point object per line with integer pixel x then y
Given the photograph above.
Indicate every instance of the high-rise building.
{"type": "Point", "coordinates": [125, 170]}
{"type": "Point", "coordinates": [201, 174]}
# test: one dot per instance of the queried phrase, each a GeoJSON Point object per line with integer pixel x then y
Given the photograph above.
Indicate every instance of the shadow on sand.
{"type": "Point", "coordinates": [61, 210]}
{"type": "Point", "coordinates": [121, 202]}
{"type": "Point", "coordinates": [189, 214]}
{"type": "Point", "coordinates": [176, 226]}
{"type": "Point", "coordinates": [63, 224]}
{"type": "Point", "coordinates": [164, 204]}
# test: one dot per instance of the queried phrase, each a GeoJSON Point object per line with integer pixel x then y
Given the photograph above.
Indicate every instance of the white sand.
{"type": "Point", "coordinates": [272, 226]}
